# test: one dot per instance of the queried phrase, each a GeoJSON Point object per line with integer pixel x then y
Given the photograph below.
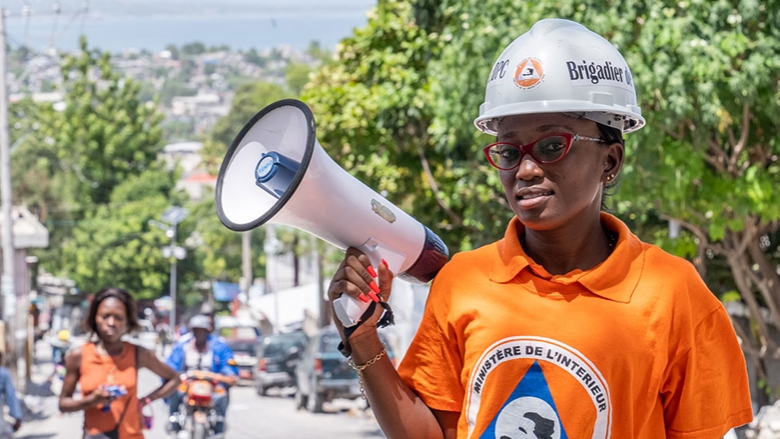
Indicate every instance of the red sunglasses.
{"type": "Point", "coordinates": [549, 149]}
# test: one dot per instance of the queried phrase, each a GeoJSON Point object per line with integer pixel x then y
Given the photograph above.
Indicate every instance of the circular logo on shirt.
{"type": "Point", "coordinates": [530, 410]}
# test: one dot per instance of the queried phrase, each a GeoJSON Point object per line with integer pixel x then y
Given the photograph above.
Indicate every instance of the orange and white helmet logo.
{"type": "Point", "coordinates": [529, 73]}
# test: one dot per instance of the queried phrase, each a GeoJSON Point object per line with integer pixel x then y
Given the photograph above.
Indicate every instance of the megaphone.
{"type": "Point", "coordinates": [275, 171]}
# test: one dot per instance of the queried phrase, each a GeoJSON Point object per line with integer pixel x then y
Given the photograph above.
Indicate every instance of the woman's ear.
{"type": "Point", "coordinates": [613, 162]}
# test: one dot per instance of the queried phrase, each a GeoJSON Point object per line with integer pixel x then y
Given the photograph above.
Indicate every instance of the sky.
{"type": "Point", "coordinates": [116, 25]}
{"type": "Point", "coordinates": [183, 7]}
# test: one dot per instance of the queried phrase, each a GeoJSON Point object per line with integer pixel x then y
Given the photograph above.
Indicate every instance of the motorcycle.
{"type": "Point", "coordinates": [197, 418]}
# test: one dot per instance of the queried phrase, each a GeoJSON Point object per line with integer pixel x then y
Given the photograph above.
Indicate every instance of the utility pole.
{"type": "Point", "coordinates": [271, 248]}
{"type": "Point", "coordinates": [174, 271]}
{"type": "Point", "coordinates": [173, 216]}
{"type": "Point", "coordinates": [246, 262]}
{"type": "Point", "coordinates": [325, 316]}
{"type": "Point", "coordinates": [7, 285]}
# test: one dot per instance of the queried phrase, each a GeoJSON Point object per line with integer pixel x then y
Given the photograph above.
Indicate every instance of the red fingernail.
{"type": "Point", "coordinates": [363, 298]}
{"type": "Point", "coordinates": [371, 271]}
{"type": "Point", "coordinates": [373, 296]}
{"type": "Point", "coordinates": [385, 263]}
{"type": "Point", "coordinates": [373, 287]}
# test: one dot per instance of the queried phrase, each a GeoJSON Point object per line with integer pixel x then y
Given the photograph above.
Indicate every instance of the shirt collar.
{"type": "Point", "coordinates": [614, 279]}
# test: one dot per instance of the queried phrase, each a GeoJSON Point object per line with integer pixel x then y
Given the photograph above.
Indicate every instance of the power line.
{"type": "Point", "coordinates": [28, 68]}
{"type": "Point", "coordinates": [84, 8]}
{"type": "Point", "coordinates": [26, 12]}
{"type": "Point", "coordinates": [21, 45]}
{"type": "Point", "coordinates": [57, 8]}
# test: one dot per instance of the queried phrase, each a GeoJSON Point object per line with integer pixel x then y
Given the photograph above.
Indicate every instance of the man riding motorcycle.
{"type": "Point", "coordinates": [206, 352]}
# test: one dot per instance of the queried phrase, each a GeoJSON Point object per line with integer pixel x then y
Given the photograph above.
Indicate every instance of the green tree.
{"type": "Point", "coordinates": [39, 177]}
{"type": "Point", "coordinates": [107, 134]}
{"type": "Point", "coordinates": [316, 51]}
{"type": "Point", "coordinates": [114, 244]}
{"type": "Point", "coordinates": [67, 164]}
{"type": "Point", "coordinates": [296, 77]}
{"type": "Point", "coordinates": [179, 130]}
{"type": "Point", "coordinates": [195, 48]}
{"type": "Point", "coordinates": [175, 54]}
{"type": "Point", "coordinates": [34, 163]}
{"type": "Point", "coordinates": [251, 56]}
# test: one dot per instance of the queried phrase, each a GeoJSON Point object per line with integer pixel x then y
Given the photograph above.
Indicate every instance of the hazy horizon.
{"type": "Point", "coordinates": [153, 24]}
{"type": "Point", "coordinates": [45, 8]}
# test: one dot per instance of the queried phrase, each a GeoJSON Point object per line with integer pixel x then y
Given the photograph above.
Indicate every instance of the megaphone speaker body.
{"type": "Point", "coordinates": [275, 171]}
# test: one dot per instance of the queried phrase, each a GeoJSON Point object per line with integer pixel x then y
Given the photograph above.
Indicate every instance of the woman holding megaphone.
{"type": "Point", "coordinates": [569, 326]}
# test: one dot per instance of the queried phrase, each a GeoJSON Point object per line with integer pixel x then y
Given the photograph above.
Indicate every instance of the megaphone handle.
{"type": "Point", "coordinates": [378, 250]}
{"type": "Point", "coordinates": [349, 310]}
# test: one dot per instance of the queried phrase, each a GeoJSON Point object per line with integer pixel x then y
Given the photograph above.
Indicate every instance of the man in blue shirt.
{"type": "Point", "coordinates": [8, 395]}
{"type": "Point", "coordinates": [203, 351]}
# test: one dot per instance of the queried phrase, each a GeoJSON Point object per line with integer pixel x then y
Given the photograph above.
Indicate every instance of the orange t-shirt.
{"type": "Point", "coordinates": [636, 347]}
{"type": "Point", "coordinates": [97, 369]}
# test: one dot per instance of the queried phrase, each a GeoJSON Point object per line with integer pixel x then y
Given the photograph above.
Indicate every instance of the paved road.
{"type": "Point", "coordinates": [249, 416]}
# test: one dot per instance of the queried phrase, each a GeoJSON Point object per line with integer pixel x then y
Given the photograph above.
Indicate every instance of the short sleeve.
{"type": "Point", "coordinates": [432, 365]}
{"type": "Point", "coordinates": [705, 391]}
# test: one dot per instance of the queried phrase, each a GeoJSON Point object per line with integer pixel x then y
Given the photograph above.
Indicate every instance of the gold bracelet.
{"type": "Point", "coordinates": [362, 367]}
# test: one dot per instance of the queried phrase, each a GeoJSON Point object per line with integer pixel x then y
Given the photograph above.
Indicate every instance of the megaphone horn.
{"type": "Point", "coordinates": [275, 171]}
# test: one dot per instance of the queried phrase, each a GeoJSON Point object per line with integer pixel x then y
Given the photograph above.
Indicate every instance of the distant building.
{"type": "Point", "coordinates": [202, 103]}
{"type": "Point", "coordinates": [54, 96]}
{"type": "Point", "coordinates": [27, 232]}
{"type": "Point", "coordinates": [194, 179]}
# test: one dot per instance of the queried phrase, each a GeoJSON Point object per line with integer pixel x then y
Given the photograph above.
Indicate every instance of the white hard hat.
{"type": "Point", "coordinates": [560, 66]}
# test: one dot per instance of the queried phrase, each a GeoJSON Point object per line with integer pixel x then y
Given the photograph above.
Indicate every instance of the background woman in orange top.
{"type": "Point", "coordinates": [107, 363]}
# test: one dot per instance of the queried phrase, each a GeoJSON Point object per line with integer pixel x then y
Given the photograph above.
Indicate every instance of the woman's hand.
{"type": "Point", "coordinates": [358, 279]}
{"type": "Point", "coordinates": [171, 379]}
{"type": "Point", "coordinates": [99, 396]}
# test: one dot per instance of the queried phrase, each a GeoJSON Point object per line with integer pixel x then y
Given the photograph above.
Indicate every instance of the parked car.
{"type": "Point", "coordinates": [324, 374]}
{"type": "Point", "coordinates": [278, 360]}
{"type": "Point", "coordinates": [146, 336]}
{"type": "Point", "coordinates": [243, 337]}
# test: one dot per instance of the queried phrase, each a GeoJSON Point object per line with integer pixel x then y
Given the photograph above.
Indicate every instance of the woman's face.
{"type": "Point", "coordinates": [550, 196]}
{"type": "Point", "coordinates": [111, 319]}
